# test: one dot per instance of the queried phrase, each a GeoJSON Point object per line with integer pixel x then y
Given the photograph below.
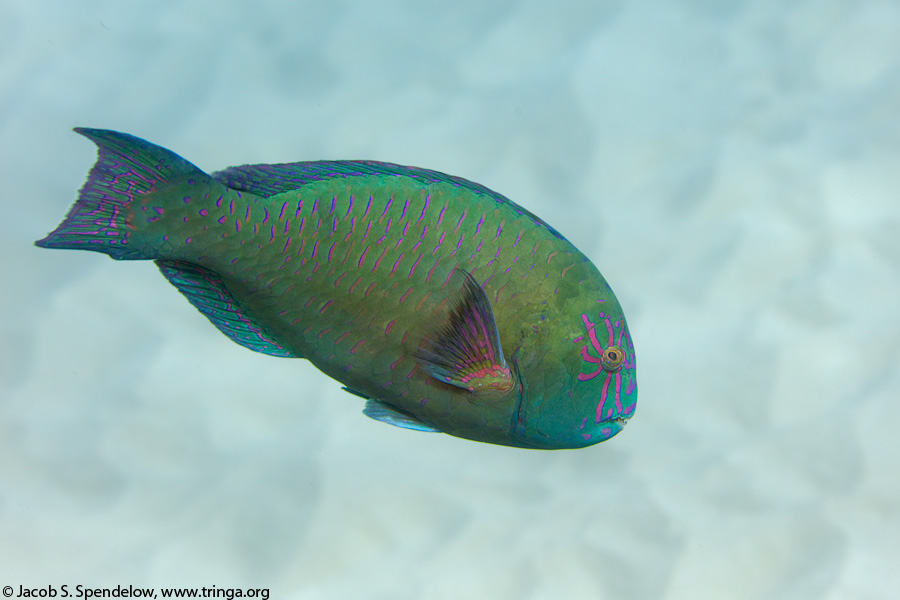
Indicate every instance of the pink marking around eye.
{"type": "Point", "coordinates": [631, 385]}
{"type": "Point", "coordinates": [612, 335]}
{"type": "Point", "coordinates": [618, 390]}
{"type": "Point", "coordinates": [600, 404]}
{"type": "Point", "coordinates": [595, 344]}
{"type": "Point", "coordinates": [592, 334]}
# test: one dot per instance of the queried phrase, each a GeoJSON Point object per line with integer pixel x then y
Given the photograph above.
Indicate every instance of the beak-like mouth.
{"type": "Point", "coordinates": [614, 425]}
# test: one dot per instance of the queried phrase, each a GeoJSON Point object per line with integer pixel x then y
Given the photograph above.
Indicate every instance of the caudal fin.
{"type": "Point", "coordinates": [126, 168]}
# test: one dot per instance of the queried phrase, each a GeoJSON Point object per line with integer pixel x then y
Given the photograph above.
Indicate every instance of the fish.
{"type": "Point", "coordinates": [442, 304]}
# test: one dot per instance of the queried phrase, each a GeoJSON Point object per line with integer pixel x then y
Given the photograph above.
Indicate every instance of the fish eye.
{"type": "Point", "coordinates": [612, 358]}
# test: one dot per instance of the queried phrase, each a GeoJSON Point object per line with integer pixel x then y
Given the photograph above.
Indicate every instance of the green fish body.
{"type": "Point", "coordinates": [444, 304]}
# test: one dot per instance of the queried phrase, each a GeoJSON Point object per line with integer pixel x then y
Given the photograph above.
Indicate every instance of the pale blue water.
{"type": "Point", "coordinates": [730, 167]}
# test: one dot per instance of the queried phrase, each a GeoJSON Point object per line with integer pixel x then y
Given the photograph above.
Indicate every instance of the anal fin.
{"type": "Point", "coordinates": [206, 290]}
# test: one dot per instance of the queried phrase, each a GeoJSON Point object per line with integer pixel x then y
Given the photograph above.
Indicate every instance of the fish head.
{"type": "Point", "coordinates": [581, 389]}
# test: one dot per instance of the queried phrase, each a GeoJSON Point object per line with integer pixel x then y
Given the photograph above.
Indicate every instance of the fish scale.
{"type": "Point", "coordinates": [444, 304]}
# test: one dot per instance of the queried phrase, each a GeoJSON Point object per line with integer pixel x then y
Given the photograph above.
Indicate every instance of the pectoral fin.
{"type": "Point", "coordinates": [464, 348]}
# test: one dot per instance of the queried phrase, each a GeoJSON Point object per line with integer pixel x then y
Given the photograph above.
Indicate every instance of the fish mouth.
{"type": "Point", "coordinates": [621, 421]}
{"type": "Point", "coordinates": [616, 425]}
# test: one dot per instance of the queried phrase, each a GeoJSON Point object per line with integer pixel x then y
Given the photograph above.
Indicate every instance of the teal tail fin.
{"type": "Point", "coordinates": [127, 167]}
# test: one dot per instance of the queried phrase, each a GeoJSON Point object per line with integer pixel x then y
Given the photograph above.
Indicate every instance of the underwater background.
{"type": "Point", "coordinates": [733, 169]}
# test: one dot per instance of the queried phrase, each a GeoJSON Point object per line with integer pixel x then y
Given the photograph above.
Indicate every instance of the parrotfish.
{"type": "Point", "coordinates": [442, 303]}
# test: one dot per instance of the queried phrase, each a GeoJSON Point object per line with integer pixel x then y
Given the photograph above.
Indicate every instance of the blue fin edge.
{"type": "Point", "coordinates": [375, 409]}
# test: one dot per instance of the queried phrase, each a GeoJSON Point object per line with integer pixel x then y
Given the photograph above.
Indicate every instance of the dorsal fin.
{"type": "Point", "coordinates": [464, 349]}
{"type": "Point", "coordinates": [207, 292]}
{"type": "Point", "coordinates": [268, 180]}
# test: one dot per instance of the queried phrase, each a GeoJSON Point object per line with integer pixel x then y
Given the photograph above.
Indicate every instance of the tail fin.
{"type": "Point", "coordinates": [127, 167]}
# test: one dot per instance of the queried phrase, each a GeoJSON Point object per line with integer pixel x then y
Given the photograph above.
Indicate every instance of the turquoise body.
{"type": "Point", "coordinates": [444, 304]}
